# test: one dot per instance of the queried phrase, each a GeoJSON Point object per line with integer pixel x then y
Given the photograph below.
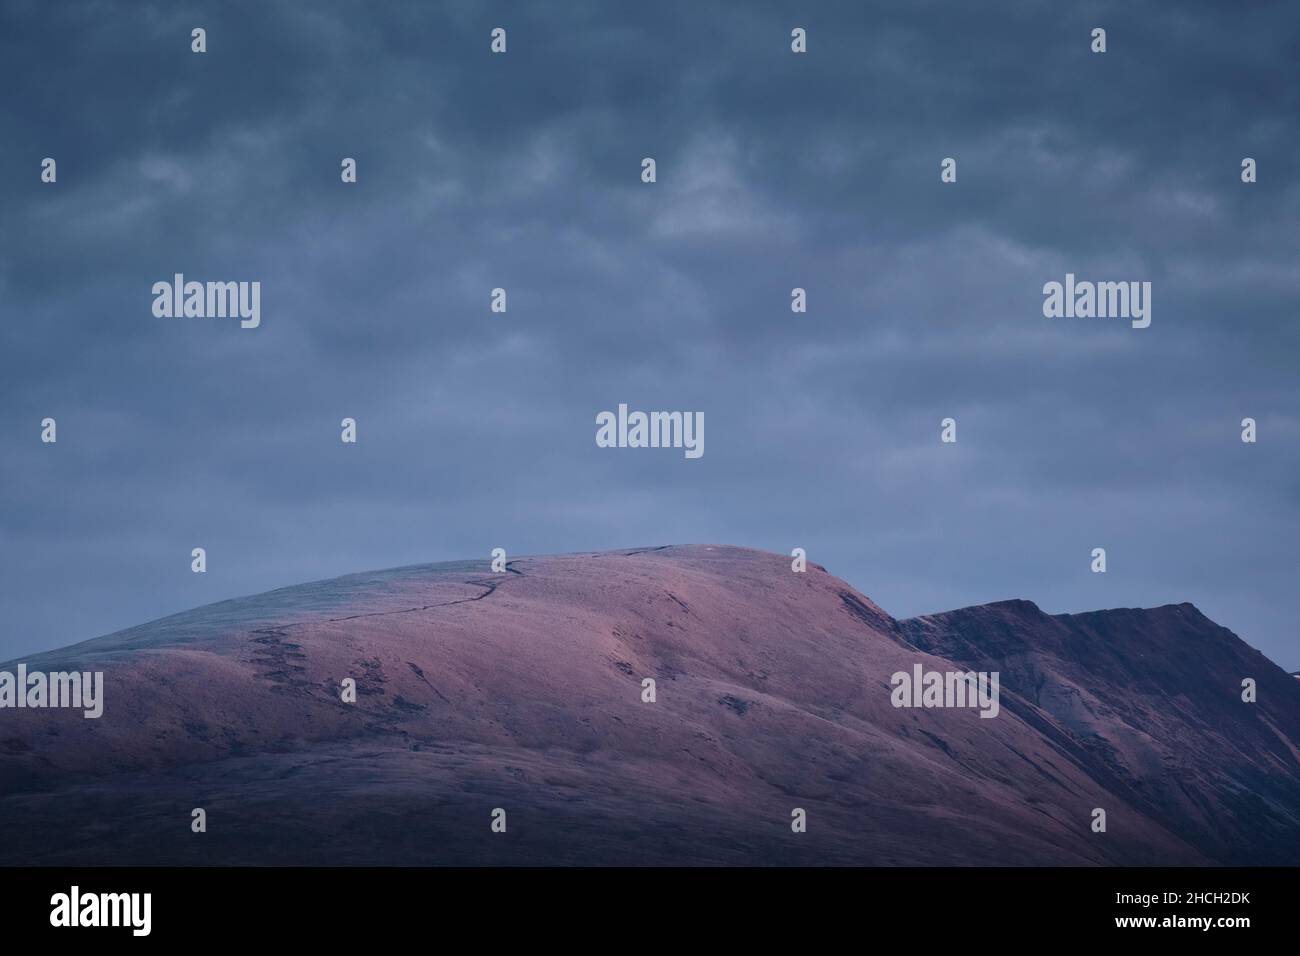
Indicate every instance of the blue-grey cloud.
{"type": "Point", "coordinates": [775, 171]}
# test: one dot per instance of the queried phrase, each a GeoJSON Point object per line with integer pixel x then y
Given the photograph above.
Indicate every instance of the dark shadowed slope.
{"type": "Point", "coordinates": [522, 690]}
{"type": "Point", "coordinates": [1152, 700]}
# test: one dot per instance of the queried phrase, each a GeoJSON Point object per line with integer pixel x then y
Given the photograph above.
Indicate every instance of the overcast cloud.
{"type": "Point", "coordinates": [775, 170]}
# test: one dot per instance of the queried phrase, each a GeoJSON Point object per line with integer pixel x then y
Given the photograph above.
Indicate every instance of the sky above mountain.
{"type": "Point", "coordinates": [775, 170]}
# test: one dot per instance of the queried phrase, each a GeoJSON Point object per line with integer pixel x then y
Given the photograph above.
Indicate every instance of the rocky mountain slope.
{"type": "Point", "coordinates": [523, 691]}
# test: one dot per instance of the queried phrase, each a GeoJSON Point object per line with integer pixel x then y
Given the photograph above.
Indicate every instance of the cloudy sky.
{"type": "Point", "coordinates": [774, 171]}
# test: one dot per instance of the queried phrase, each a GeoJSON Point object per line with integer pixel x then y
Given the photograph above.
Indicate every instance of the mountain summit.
{"type": "Point", "coordinates": [526, 691]}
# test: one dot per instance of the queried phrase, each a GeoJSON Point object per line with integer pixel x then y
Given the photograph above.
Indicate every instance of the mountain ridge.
{"type": "Point", "coordinates": [438, 565]}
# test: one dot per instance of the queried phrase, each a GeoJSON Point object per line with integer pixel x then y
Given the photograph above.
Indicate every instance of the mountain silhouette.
{"type": "Point", "coordinates": [523, 691]}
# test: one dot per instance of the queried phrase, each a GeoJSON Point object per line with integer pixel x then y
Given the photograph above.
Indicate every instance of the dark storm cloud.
{"type": "Point", "coordinates": [774, 171]}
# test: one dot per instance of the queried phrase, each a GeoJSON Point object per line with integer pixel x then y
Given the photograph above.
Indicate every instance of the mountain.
{"type": "Point", "coordinates": [523, 691]}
